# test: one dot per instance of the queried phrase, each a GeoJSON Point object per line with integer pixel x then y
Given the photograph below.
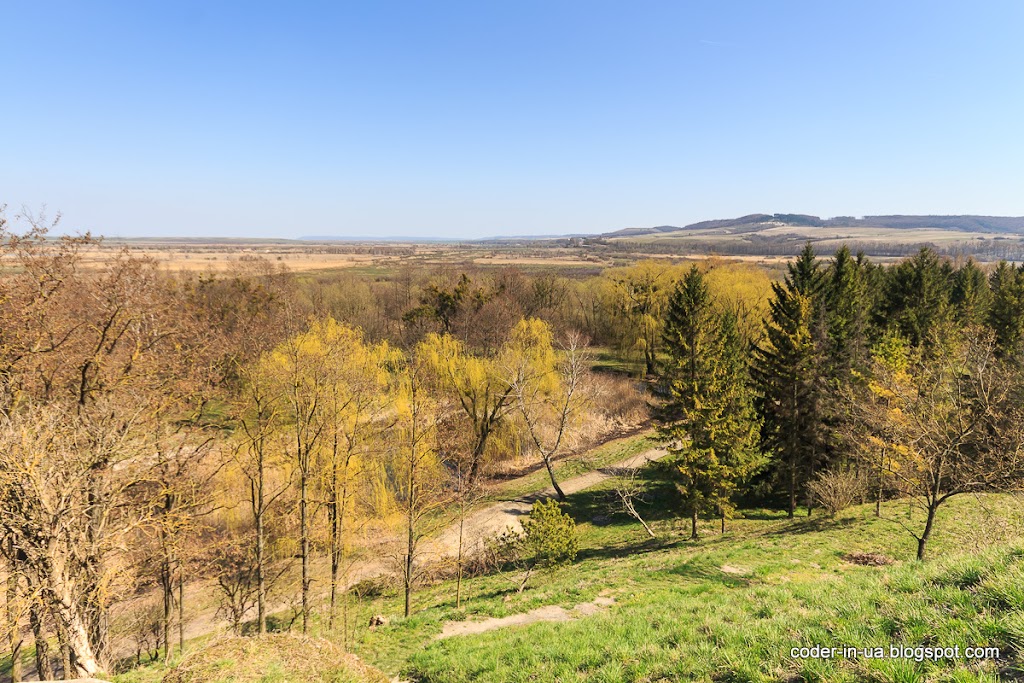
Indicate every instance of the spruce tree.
{"type": "Point", "coordinates": [1006, 311]}
{"type": "Point", "coordinates": [970, 296]}
{"type": "Point", "coordinates": [918, 296]}
{"type": "Point", "coordinates": [847, 309]}
{"type": "Point", "coordinates": [788, 369]}
{"type": "Point", "coordinates": [709, 418]}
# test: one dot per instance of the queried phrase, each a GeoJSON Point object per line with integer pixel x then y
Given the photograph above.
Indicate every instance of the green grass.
{"type": "Point", "coordinates": [679, 616]}
{"type": "Point", "coordinates": [728, 607]}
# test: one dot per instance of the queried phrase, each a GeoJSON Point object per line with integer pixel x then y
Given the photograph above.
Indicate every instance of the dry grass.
{"type": "Point", "coordinates": [275, 658]}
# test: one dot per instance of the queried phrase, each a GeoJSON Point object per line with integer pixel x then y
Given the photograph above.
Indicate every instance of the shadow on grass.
{"type": "Point", "coordinates": [700, 569]}
{"type": "Point", "coordinates": [808, 525]}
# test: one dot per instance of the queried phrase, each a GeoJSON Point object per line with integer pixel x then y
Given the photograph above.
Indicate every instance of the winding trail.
{"type": "Point", "coordinates": [480, 525]}
{"type": "Point", "coordinates": [504, 514]}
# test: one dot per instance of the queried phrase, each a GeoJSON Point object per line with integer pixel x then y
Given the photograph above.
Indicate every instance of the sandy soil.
{"type": "Point", "coordinates": [547, 613]}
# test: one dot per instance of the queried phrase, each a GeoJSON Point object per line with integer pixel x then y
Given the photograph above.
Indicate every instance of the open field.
{"type": "Point", "coordinates": [776, 239]}
{"type": "Point", "coordinates": [218, 257]}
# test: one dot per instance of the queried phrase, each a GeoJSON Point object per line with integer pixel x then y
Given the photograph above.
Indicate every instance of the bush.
{"type": "Point", "coordinates": [836, 490]}
{"type": "Point", "coordinates": [549, 535]}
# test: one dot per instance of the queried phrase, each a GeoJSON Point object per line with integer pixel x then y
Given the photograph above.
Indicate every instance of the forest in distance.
{"type": "Point", "coordinates": [263, 450]}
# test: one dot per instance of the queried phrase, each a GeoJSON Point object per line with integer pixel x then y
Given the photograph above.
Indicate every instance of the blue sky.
{"type": "Point", "coordinates": [483, 118]}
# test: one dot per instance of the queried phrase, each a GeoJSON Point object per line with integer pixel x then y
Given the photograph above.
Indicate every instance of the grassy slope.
{"type": "Point", "coordinates": [727, 608]}
{"type": "Point", "coordinates": [679, 616]}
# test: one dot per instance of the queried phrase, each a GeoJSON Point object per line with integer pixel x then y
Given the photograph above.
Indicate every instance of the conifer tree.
{"type": "Point", "coordinates": [918, 296]}
{"type": "Point", "coordinates": [709, 418]}
{"type": "Point", "coordinates": [847, 306]}
{"type": "Point", "coordinates": [788, 372]}
{"type": "Point", "coordinates": [970, 296]}
{"type": "Point", "coordinates": [1006, 311]}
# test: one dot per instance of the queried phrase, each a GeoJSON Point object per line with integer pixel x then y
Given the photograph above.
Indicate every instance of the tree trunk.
{"type": "Point", "coordinates": [410, 550]}
{"type": "Point", "coordinates": [13, 619]}
{"type": "Point", "coordinates": [923, 540]}
{"type": "Point", "coordinates": [693, 526]}
{"type": "Point", "coordinates": [304, 541]}
{"type": "Point", "coordinates": [554, 483]}
{"type": "Point", "coordinates": [166, 583]}
{"type": "Point", "coordinates": [881, 471]}
{"type": "Point", "coordinates": [332, 522]}
{"type": "Point", "coordinates": [458, 580]}
{"type": "Point", "coordinates": [792, 487]}
{"type": "Point", "coordinates": [478, 454]}
{"type": "Point", "coordinates": [258, 512]}
{"type": "Point", "coordinates": [43, 667]}
{"type": "Point", "coordinates": [65, 651]}
{"type": "Point", "coordinates": [181, 609]}
{"type": "Point", "coordinates": [83, 661]}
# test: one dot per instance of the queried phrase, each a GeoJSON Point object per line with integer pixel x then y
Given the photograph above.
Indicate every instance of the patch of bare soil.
{"type": "Point", "coordinates": [868, 559]}
{"type": "Point", "coordinates": [548, 613]}
{"type": "Point", "coordinates": [739, 571]}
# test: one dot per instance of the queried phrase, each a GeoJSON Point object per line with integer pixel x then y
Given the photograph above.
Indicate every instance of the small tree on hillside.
{"type": "Point", "coordinates": [548, 539]}
{"type": "Point", "coordinates": [953, 422]}
{"type": "Point", "coordinates": [788, 370]}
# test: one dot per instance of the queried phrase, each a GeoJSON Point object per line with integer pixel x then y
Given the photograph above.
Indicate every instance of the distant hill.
{"type": "Point", "coordinates": [760, 221]}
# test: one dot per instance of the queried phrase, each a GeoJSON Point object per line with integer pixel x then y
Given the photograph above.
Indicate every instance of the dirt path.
{"type": "Point", "coordinates": [479, 526]}
{"type": "Point", "coordinates": [496, 517]}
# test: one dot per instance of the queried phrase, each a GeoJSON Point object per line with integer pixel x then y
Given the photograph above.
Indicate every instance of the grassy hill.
{"type": "Point", "coordinates": [985, 237]}
{"type": "Point", "coordinates": [729, 607]}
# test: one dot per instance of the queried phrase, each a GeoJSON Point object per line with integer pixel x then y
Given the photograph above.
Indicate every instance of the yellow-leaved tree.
{"type": "Point", "coordinates": [484, 386]}
{"type": "Point", "coordinates": [333, 388]}
{"type": "Point", "coordinates": [638, 296]}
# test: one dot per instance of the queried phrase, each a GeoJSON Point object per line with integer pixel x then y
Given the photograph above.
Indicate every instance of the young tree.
{"type": "Point", "coordinates": [709, 417]}
{"type": "Point", "coordinates": [300, 368]}
{"type": "Point", "coordinates": [953, 421]}
{"type": "Point", "coordinates": [354, 413]}
{"type": "Point", "coordinates": [1006, 310]}
{"type": "Point", "coordinates": [639, 296]}
{"type": "Point", "coordinates": [917, 298]}
{"type": "Point", "coordinates": [970, 296]}
{"type": "Point", "coordinates": [484, 386]}
{"type": "Point", "coordinates": [259, 409]}
{"type": "Point", "coordinates": [415, 473]}
{"type": "Point", "coordinates": [549, 392]}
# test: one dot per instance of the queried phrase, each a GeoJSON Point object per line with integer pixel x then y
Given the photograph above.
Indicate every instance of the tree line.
{"type": "Point", "coordinates": [897, 381]}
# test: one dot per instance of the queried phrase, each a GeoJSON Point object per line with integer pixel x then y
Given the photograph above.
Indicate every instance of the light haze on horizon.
{"type": "Point", "coordinates": [475, 119]}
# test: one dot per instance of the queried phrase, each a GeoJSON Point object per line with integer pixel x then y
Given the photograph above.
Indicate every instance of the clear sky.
{"type": "Point", "coordinates": [489, 117]}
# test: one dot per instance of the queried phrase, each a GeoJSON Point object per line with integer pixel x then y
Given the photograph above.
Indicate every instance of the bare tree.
{"type": "Point", "coordinates": [259, 412]}
{"type": "Point", "coordinates": [416, 467]}
{"type": "Point", "coordinates": [629, 490]}
{"type": "Point", "coordinates": [549, 398]}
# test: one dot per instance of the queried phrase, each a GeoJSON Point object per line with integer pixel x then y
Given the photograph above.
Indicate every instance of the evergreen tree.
{"type": "Point", "coordinates": [847, 307]}
{"type": "Point", "coordinates": [1006, 311]}
{"type": "Point", "coordinates": [918, 296]}
{"type": "Point", "coordinates": [788, 370]}
{"type": "Point", "coordinates": [709, 418]}
{"type": "Point", "coordinates": [970, 296]}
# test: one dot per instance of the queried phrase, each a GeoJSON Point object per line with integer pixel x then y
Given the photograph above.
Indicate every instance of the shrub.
{"type": "Point", "coordinates": [836, 490]}
{"type": "Point", "coordinates": [549, 535]}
